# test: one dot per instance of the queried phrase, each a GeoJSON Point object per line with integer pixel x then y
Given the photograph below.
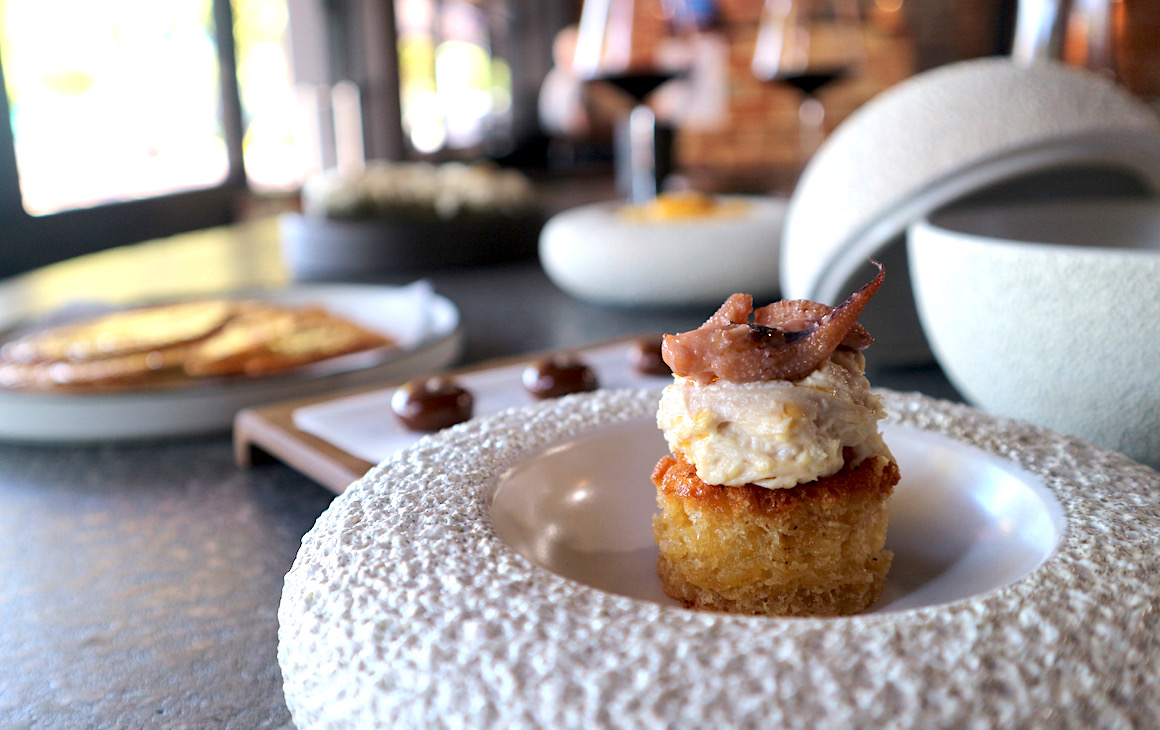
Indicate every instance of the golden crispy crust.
{"type": "Point", "coordinates": [813, 550]}
{"type": "Point", "coordinates": [677, 477]}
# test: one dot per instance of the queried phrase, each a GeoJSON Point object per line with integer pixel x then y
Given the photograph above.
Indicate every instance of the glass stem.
{"type": "Point", "coordinates": [642, 124]}
{"type": "Point", "coordinates": [811, 129]}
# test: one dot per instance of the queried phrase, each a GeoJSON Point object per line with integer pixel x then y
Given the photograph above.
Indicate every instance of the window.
{"type": "Point", "coordinates": [135, 119]}
{"type": "Point", "coordinates": [126, 119]}
{"type": "Point", "coordinates": [456, 94]}
{"type": "Point", "coordinates": [112, 104]}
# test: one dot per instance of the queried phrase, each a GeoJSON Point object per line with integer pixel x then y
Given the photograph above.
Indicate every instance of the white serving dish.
{"type": "Point", "coordinates": [982, 127]}
{"type": "Point", "coordinates": [595, 253]}
{"type": "Point", "coordinates": [1050, 313]}
{"type": "Point", "coordinates": [497, 574]}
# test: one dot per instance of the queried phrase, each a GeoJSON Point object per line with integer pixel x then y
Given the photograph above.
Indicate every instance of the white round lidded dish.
{"type": "Point", "coordinates": [599, 253]}
{"type": "Point", "coordinates": [1047, 312]}
{"type": "Point", "coordinates": [987, 127]}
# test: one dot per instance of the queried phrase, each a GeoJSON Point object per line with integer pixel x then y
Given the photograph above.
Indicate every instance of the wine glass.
{"type": "Point", "coordinates": [636, 46]}
{"type": "Point", "coordinates": [808, 44]}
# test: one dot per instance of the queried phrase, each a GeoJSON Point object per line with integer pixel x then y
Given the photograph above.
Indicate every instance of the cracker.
{"type": "Point", "coordinates": [265, 343]}
{"type": "Point", "coordinates": [181, 342]}
{"type": "Point", "coordinates": [123, 333]}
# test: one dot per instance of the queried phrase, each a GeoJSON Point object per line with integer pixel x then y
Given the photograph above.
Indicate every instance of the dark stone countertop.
{"type": "Point", "coordinates": [140, 582]}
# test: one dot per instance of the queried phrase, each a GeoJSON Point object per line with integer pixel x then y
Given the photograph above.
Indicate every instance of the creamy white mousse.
{"type": "Point", "coordinates": [774, 433]}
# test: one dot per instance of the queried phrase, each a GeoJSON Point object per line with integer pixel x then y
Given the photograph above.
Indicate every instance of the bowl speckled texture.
{"type": "Point", "coordinates": [1048, 312]}
{"type": "Point", "coordinates": [596, 254]}
{"type": "Point", "coordinates": [945, 134]}
{"type": "Point", "coordinates": [405, 610]}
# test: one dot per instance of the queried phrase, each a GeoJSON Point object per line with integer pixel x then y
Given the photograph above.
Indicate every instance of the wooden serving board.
{"type": "Point", "coordinates": [268, 433]}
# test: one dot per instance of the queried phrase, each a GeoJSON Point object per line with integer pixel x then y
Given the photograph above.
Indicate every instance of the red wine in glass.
{"type": "Point", "coordinates": [810, 81]}
{"type": "Point", "coordinates": [638, 85]}
{"type": "Point", "coordinates": [808, 45]}
{"type": "Point", "coordinates": [635, 46]}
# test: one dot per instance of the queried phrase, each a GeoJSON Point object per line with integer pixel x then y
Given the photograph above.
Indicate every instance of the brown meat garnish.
{"type": "Point", "coordinates": [786, 341]}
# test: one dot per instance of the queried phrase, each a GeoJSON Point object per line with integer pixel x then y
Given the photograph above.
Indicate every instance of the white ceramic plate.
{"type": "Point", "coordinates": [440, 589]}
{"type": "Point", "coordinates": [425, 325]}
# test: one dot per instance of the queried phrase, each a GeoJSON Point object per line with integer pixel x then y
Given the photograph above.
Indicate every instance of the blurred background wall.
{"type": "Point", "coordinates": [131, 120]}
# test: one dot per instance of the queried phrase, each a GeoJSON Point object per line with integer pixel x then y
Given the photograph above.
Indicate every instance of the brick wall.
{"type": "Point", "coordinates": [1137, 54]}
{"type": "Point", "coordinates": [755, 147]}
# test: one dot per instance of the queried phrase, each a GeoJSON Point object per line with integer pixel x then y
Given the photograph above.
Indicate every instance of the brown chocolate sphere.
{"type": "Point", "coordinates": [645, 357]}
{"type": "Point", "coordinates": [558, 375]}
{"type": "Point", "coordinates": [431, 404]}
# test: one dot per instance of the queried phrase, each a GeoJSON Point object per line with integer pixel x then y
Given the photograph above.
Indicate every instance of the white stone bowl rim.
{"type": "Point", "coordinates": [404, 609]}
{"type": "Point", "coordinates": [944, 134]}
{"type": "Point", "coordinates": [954, 222]}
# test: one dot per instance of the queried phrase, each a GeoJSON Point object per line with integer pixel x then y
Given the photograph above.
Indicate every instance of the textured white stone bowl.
{"type": "Point", "coordinates": [1049, 312]}
{"type": "Point", "coordinates": [595, 253]}
{"type": "Point", "coordinates": [406, 608]}
{"type": "Point", "coordinates": [986, 126]}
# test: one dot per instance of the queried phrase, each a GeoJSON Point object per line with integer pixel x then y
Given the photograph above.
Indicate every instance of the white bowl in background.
{"type": "Point", "coordinates": [1049, 313]}
{"type": "Point", "coordinates": [982, 127]}
{"type": "Point", "coordinates": [595, 253]}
